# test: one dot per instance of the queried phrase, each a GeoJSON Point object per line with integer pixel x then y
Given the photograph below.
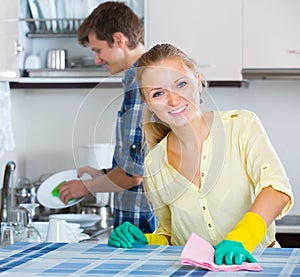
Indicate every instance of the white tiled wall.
{"type": "Point", "coordinates": [48, 123]}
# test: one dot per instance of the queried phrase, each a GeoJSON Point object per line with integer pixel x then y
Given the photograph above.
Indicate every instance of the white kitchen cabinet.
{"type": "Point", "coordinates": [207, 30]}
{"type": "Point", "coordinates": [9, 29]}
{"type": "Point", "coordinates": [24, 33]}
{"type": "Point", "coordinates": [19, 43]}
{"type": "Point", "coordinates": [271, 34]}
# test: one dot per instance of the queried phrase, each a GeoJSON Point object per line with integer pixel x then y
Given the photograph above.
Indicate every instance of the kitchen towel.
{"type": "Point", "coordinates": [7, 142]}
{"type": "Point", "coordinates": [198, 252]}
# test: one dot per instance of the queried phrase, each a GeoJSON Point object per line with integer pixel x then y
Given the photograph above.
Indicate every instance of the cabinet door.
{"type": "Point", "coordinates": [207, 30]}
{"type": "Point", "coordinates": [9, 24]}
{"type": "Point", "coordinates": [271, 34]}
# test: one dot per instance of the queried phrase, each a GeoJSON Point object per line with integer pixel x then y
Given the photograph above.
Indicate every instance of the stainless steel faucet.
{"type": "Point", "coordinates": [9, 169]}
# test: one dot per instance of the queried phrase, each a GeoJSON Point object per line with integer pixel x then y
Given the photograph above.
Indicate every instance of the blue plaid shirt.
{"type": "Point", "coordinates": [131, 205]}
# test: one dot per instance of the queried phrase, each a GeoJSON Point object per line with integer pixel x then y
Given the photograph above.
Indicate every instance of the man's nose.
{"type": "Point", "coordinates": [97, 59]}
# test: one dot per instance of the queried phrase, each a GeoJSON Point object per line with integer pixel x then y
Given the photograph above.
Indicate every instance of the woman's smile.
{"type": "Point", "coordinates": [179, 110]}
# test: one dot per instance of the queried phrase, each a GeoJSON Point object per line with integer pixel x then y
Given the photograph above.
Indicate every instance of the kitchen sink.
{"type": "Point", "coordinates": [100, 236]}
{"type": "Point", "coordinates": [100, 228]}
{"type": "Point", "coordinates": [100, 232]}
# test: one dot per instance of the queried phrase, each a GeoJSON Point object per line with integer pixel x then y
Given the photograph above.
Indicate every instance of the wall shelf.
{"type": "Point", "coordinates": [52, 28]}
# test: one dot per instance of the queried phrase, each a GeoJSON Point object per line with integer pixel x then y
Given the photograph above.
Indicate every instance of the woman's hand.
{"type": "Point", "coordinates": [232, 252]}
{"type": "Point", "coordinates": [127, 235]}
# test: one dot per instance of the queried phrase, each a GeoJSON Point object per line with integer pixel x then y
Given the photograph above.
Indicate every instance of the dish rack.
{"type": "Point", "coordinates": [50, 27]}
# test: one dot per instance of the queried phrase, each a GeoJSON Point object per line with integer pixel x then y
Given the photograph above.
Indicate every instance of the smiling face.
{"type": "Point", "coordinates": [112, 57]}
{"type": "Point", "coordinates": [171, 91]}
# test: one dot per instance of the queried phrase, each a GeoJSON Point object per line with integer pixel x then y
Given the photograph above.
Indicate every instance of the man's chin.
{"type": "Point", "coordinates": [114, 72]}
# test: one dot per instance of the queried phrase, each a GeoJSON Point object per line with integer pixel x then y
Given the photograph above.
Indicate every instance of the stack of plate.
{"type": "Point", "coordinates": [84, 220]}
{"type": "Point", "coordinates": [42, 227]}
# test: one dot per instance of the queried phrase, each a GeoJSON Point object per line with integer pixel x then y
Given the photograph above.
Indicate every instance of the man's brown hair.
{"type": "Point", "coordinates": [109, 18]}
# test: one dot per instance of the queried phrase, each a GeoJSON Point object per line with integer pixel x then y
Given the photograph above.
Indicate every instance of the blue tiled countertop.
{"type": "Point", "coordinates": [84, 259]}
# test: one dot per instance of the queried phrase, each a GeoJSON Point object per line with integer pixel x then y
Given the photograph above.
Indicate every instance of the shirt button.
{"type": "Point", "coordinates": [204, 157]}
{"type": "Point", "coordinates": [133, 146]}
{"type": "Point", "coordinates": [209, 225]}
{"type": "Point", "coordinates": [203, 208]}
{"type": "Point", "coordinates": [202, 174]}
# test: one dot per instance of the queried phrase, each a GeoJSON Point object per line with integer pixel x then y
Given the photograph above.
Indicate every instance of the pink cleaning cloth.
{"type": "Point", "coordinates": [198, 252]}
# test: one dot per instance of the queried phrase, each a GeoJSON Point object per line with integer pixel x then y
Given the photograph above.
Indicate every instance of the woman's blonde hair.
{"type": "Point", "coordinates": [154, 129]}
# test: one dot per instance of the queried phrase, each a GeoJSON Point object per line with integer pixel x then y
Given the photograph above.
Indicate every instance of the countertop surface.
{"type": "Point", "coordinates": [85, 259]}
{"type": "Point", "coordinates": [288, 224]}
{"type": "Point", "coordinates": [287, 229]}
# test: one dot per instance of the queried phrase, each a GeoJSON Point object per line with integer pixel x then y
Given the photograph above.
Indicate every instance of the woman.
{"type": "Point", "coordinates": [212, 173]}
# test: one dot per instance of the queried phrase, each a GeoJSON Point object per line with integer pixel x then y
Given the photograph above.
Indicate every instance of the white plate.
{"type": "Point", "coordinates": [53, 13]}
{"type": "Point", "coordinates": [46, 10]}
{"type": "Point", "coordinates": [44, 194]}
{"type": "Point", "coordinates": [85, 220]}
{"type": "Point", "coordinates": [34, 7]}
{"type": "Point", "coordinates": [69, 13]}
{"type": "Point", "coordinates": [61, 14]}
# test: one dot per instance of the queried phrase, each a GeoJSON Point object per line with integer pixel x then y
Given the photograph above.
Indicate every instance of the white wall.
{"type": "Point", "coordinates": [48, 123]}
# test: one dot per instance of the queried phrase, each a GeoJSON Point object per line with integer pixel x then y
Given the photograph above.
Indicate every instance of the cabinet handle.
{"type": "Point", "coordinates": [294, 52]}
{"type": "Point", "coordinates": [18, 48]}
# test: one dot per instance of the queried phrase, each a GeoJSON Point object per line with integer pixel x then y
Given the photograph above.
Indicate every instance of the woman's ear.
{"type": "Point", "coordinates": [119, 39]}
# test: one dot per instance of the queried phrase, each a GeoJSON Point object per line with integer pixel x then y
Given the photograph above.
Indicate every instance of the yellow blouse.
{"type": "Point", "coordinates": [237, 161]}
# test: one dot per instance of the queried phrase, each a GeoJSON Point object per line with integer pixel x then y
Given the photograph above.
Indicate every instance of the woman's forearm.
{"type": "Point", "coordinates": [269, 203]}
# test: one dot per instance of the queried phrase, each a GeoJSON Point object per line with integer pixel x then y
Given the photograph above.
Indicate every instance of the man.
{"type": "Point", "coordinates": [116, 36]}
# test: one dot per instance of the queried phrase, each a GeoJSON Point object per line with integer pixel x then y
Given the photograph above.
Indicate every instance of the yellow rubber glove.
{"type": "Point", "coordinates": [157, 239]}
{"type": "Point", "coordinates": [249, 231]}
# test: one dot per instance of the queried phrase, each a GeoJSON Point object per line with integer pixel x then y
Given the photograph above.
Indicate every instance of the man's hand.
{"type": "Point", "coordinates": [72, 189]}
{"type": "Point", "coordinates": [93, 172]}
{"type": "Point", "coordinates": [76, 188]}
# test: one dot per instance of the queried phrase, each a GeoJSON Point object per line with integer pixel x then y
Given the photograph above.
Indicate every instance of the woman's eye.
{"type": "Point", "coordinates": [157, 94]}
{"type": "Point", "coordinates": [182, 84]}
